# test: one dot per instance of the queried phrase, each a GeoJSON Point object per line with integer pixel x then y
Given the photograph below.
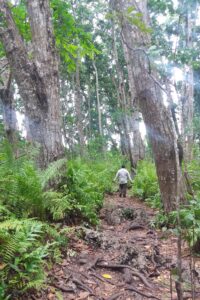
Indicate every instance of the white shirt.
{"type": "Point", "coordinates": [123, 176]}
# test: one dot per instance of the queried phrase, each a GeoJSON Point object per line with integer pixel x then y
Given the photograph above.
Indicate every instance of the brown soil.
{"type": "Point", "coordinates": [136, 258]}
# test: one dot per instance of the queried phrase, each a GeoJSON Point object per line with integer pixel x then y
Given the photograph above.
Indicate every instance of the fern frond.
{"type": "Point", "coordinates": [4, 212]}
{"type": "Point", "coordinates": [17, 224]}
{"type": "Point", "coordinates": [53, 171]}
{"type": "Point", "coordinates": [35, 284]}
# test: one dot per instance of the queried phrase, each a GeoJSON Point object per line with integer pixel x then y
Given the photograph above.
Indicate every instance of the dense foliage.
{"type": "Point", "coordinates": [145, 185]}
{"type": "Point", "coordinates": [29, 239]}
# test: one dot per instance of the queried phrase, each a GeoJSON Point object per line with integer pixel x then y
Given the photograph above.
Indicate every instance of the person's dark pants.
{"type": "Point", "coordinates": [122, 189]}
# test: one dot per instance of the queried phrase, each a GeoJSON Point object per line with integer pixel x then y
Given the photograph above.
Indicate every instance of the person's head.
{"type": "Point", "coordinates": [123, 166]}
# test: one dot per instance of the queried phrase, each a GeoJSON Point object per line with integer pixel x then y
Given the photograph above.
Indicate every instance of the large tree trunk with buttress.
{"type": "Point", "coordinates": [157, 117]}
{"type": "Point", "coordinates": [37, 78]}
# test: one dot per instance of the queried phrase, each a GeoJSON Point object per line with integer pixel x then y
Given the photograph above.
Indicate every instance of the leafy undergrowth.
{"type": "Point", "coordinates": [32, 235]}
{"type": "Point", "coordinates": [146, 188]}
{"type": "Point", "coordinates": [25, 246]}
{"type": "Point", "coordinates": [145, 185]}
{"type": "Point", "coordinates": [35, 219]}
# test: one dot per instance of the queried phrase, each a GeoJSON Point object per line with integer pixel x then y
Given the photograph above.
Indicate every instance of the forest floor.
{"type": "Point", "coordinates": [123, 259]}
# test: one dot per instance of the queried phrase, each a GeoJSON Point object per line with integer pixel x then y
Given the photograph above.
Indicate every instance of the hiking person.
{"type": "Point", "coordinates": [123, 176]}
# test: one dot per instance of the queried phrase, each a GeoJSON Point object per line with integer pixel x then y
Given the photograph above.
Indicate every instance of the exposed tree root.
{"type": "Point", "coordinates": [153, 258]}
{"type": "Point", "coordinates": [83, 286]}
{"type": "Point", "coordinates": [78, 272]}
{"type": "Point", "coordinates": [134, 272]}
{"type": "Point", "coordinates": [101, 279]}
{"type": "Point", "coordinates": [68, 278]}
{"type": "Point", "coordinates": [62, 288]}
{"type": "Point", "coordinates": [130, 288]}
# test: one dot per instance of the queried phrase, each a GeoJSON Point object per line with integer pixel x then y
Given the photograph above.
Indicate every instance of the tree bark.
{"type": "Point", "coordinates": [139, 148]}
{"type": "Point", "coordinates": [138, 144]}
{"type": "Point", "coordinates": [157, 117]}
{"type": "Point", "coordinates": [187, 98]}
{"type": "Point", "coordinates": [89, 111]}
{"type": "Point", "coordinates": [130, 121]}
{"type": "Point", "coordinates": [187, 114]}
{"type": "Point", "coordinates": [79, 108]}
{"type": "Point", "coordinates": [8, 105]}
{"type": "Point", "coordinates": [37, 79]}
{"type": "Point", "coordinates": [98, 100]}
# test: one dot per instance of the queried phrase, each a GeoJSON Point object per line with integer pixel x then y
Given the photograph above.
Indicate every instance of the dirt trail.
{"type": "Point", "coordinates": [125, 248]}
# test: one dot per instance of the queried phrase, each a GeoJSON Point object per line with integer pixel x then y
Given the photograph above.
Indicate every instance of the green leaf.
{"type": "Point", "coordinates": [130, 9]}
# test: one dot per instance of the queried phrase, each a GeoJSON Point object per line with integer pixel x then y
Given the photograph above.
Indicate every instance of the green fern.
{"type": "Point", "coordinates": [27, 243]}
{"type": "Point", "coordinates": [35, 284]}
{"type": "Point", "coordinates": [145, 184]}
{"type": "Point", "coordinates": [52, 172]}
{"type": "Point", "coordinates": [4, 213]}
{"type": "Point", "coordinates": [23, 255]}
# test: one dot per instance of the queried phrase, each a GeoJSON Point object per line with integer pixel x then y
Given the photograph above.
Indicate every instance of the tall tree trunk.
{"type": "Point", "coordinates": [187, 114]}
{"type": "Point", "coordinates": [7, 99]}
{"type": "Point", "coordinates": [123, 122]}
{"type": "Point", "coordinates": [157, 117]}
{"type": "Point", "coordinates": [64, 94]}
{"type": "Point", "coordinates": [98, 100]}
{"type": "Point", "coordinates": [89, 112]}
{"type": "Point", "coordinates": [130, 121]}
{"type": "Point", "coordinates": [187, 98]}
{"type": "Point", "coordinates": [79, 108]}
{"type": "Point", "coordinates": [138, 147]}
{"type": "Point", "coordinates": [37, 79]}
{"type": "Point", "coordinates": [172, 105]}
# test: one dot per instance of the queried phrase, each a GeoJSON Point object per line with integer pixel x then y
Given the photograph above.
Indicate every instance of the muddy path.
{"type": "Point", "coordinates": [124, 258]}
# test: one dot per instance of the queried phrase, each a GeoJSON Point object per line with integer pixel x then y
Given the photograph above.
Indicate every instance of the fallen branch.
{"type": "Point", "coordinates": [134, 272]}
{"type": "Point", "coordinates": [130, 288]}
